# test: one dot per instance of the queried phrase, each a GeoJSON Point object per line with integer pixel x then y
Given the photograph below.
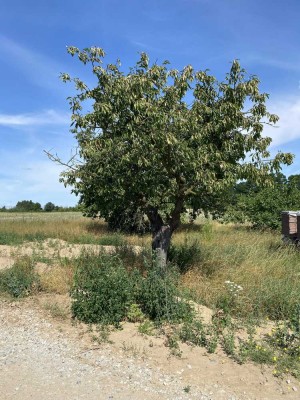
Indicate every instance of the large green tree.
{"type": "Point", "coordinates": [159, 140]}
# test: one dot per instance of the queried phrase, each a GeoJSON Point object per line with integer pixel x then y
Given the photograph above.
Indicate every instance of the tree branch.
{"type": "Point", "coordinates": [69, 164]}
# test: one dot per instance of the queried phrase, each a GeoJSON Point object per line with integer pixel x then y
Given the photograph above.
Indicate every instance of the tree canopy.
{"type": "Point", "coordinates": [27, 205]}
{"type": "Point", "coordinates": [262, 206]}
{"type": "Point", "coordinates": [49, 207]}
{"type": "Point", "coordinates": [159, 140]}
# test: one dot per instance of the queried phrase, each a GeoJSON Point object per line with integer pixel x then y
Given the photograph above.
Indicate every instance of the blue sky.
{"type": "Point", "coordinates": [34, 114]}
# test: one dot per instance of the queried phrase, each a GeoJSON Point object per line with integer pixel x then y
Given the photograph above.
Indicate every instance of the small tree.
{"type": "Point", "coordinates": [49, 207]}
{"type": "Point", "coordinates": [158, 140]}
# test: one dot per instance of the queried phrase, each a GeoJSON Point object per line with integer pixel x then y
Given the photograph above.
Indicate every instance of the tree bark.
{"type": "Point", "coordinates": [161, 236]}
{"type": "Point", "coordinates": [161, 239]}
{"type": "Point", "coordinates": [162, 232]}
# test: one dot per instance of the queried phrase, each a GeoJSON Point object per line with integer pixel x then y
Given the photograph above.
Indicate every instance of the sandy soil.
{"type": "Point", "coordinates": [42, 357]}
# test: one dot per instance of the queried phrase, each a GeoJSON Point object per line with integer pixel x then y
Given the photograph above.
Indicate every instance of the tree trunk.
{"type": "Point", "coordinates": [161, 239]}
{"type": "Point", "coordinates": [162, 231]}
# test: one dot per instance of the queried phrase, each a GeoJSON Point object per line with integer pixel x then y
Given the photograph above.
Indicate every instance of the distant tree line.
{"type": "Point", "coordinates": [244, 202]}
{"type": "Point", "coordinates": [30, 206]}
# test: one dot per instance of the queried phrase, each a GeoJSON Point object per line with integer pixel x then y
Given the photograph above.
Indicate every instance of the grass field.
{"type": "Point", "coordinates": [208, 253]}
{"type": "Point", "coordinates": [16, 228]}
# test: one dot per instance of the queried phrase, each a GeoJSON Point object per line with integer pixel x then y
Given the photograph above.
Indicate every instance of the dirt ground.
{"type": "Point", "coordinates": [43, 356]}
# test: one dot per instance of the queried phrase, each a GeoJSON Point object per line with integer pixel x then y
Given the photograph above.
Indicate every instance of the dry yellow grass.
{"type": "Point", "coordinates": [267, 270]}
{"type": "Point", "coordinates": [57, 278]}
{"type": "Point", "coordinates": [57, 225]}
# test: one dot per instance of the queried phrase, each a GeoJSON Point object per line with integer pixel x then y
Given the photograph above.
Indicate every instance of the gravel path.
{"type": "Point", "coordinates": [37, 364]}
{"type": "Point", "coordinates": [39, 360]}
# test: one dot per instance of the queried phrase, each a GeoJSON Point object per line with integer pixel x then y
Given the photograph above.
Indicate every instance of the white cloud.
{"type": "Point", "coordinates": [38, 181]}
{"type": "Point", "coordinates": [47, 117]}
{"type": "Point", "coordinates": [288, 127]}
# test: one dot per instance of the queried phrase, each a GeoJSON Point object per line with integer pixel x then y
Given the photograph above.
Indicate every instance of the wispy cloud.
{"type": "Point", "coordinates": [283, 64]}
{"type": "Point", "coordinates": [36, 180]}
{"type": "Point", "coordinates": [39, 68]}
{"type": "Point", "coordinates": [47, 117]}
{"type": "Point", "coordinates": [288, 128]}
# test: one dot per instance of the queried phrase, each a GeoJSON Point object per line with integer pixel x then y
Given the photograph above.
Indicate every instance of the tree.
{"type": "Point", "coordinates": [294, 180]}
{"type": "Point", "coordinates": [127, 220]}
{"type": "Point", "coordinates": [158, 140]}
{"type": "Point", "coordinates": [49, 207]}
{"type": "Point", "coordinates": [27, 206]}
{"type": "Point", "coordinates": [262, 206]}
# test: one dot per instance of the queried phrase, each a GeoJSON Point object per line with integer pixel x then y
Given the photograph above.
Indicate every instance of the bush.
{"type": "Point", "coordinates": [159, 296]}
{"type": "Point", "coordinates": [128, 220]}
{"type": "Point", "coordinates": [19, 280]}
{"type": "Point", "coordinates": [103, 289]}
{"type": "Point", "coordinates": [105, 292]}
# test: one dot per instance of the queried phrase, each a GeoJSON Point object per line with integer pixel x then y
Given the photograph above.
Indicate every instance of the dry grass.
{"type": "Point", "coordinates": [57, 278]}
{"type": "Point", "coordinates": [51, 225]}
{"type": "Point", "coordinates": [72, 227]}
{"type": "Point", "coordinates": [267, 270]}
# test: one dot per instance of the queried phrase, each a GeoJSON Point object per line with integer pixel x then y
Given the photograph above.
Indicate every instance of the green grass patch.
{"type": "Point", "coordinates": [14, 238]}
{"type": "Point", "coordinates": [20, 280]}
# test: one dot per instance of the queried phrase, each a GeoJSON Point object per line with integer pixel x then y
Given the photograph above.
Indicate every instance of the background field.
{"type": "Point", "coordinates": [207, 253]}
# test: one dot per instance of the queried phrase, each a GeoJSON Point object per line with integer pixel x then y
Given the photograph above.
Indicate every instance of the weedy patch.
{"type": "Point", "coordinates": [57, 278]}
{"type": "Point", "coordinates": [172, 342]}
{"type": "Point", "coordinates": [57, 310]}
{"type": "Point", "coordinates": [21, 279]}
{"type": "Point", "coordinates": [134, 350]}
{"type": "Point", "coordinates": [147, 328]}
{"type": "Point", "coordinates": [101, 334]}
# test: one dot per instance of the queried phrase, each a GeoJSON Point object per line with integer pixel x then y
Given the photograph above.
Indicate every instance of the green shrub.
{"type": "Point", "coordinates": [19, 280]}
{"type": "Point", "coordinates": [194, 333]}
{"type": "Point", "coordinates": [159, 296]}
{"type": "Point", "coordinates": [103, 289]}
{"type": "Point", "coordinates": [135, 314]}
{"type": "Point", "coordinates": [128, 220]}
